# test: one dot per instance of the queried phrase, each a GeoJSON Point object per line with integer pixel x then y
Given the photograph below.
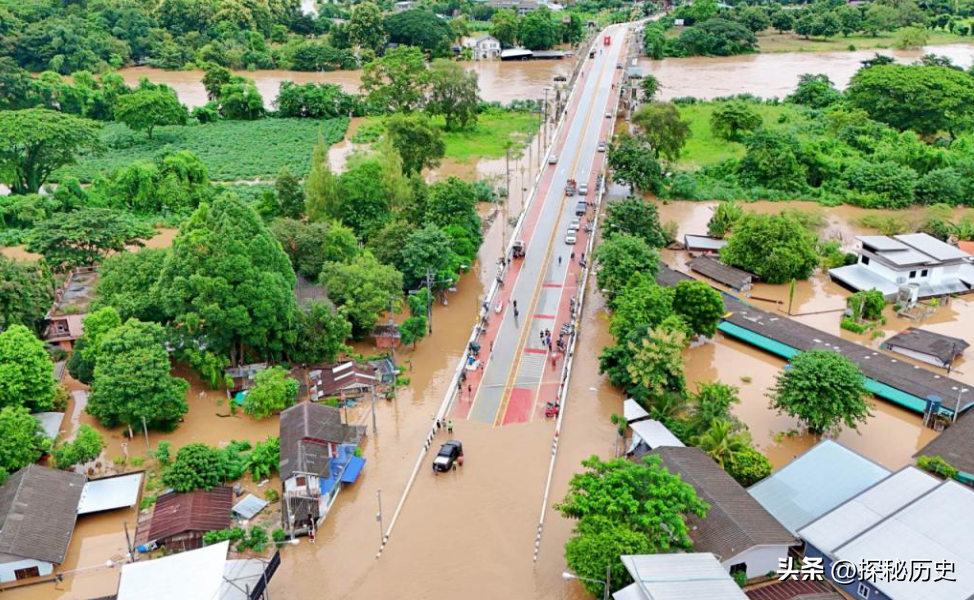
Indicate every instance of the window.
{"type": "Point", "coordinates": [27, 573]}
{"type": "Point", "coordinates": [865, 260]}
{"type": "Point", "coordinates": [301, 481]}
{"type": "Point", "coordinates": [913, 274]}
{"type": "Point", "coordinates": [863, 590]}
{"type": "Point", "coordinates": [923, 273]}
{"type": "Point", "coordinates": [739, 568]}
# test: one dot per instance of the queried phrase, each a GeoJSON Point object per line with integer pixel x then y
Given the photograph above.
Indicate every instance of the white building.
{"type": "Point", "coordinates": [678, 577]}
{"type": "Point", "coordinates": [403, 6]}
{"type": "Point", "coordinates": [914, 260]}
{"type": "Point", "coordinates": [484, 47]}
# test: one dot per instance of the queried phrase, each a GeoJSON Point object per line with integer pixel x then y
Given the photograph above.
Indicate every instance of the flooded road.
{"type": "Point", "coordinates": [499, 81]}
{"type": "Point", "coordinates": [770, 75]}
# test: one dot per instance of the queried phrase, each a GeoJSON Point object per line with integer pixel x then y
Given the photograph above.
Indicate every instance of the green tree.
{"type": "Point", "coordinates": [26, 372]}
{"type": "Point", "coordinates": [656, 366]}
{"type": "Point", "coordinates": [197, 467]}
{"type": "Point", "coordinates": [772, 161]}
{"type": "Point", "coordinates": [320, 334]}
{"type": "Point", "coordinates": [619, 258]}
{"type": "Point", "coordinates": [538, 30]}
{"type": "Point", "coordinates": [413, 329]}
{"type": "Point", "coordinates": [624, 506]}
{"type": "Point", "coordinates": [321, 193]}
{"type": "Point", "coordinates": [214, 78]}
{"type": "Point", "coordinates": [725, 216]}
{"type": "Point", "coordinates": [938, 186]}
{"type": "Point", "coordinates": [661, 125]}
{"type": "Point", "coordinates": [867, 305]}
{"type": "Point", "coordinates": [717, 37]}
{"type": "Point", "coordinates": [700, 305]}
{"type": "Point", "coordinates": [132, 385]}
{"type": "Point", "coordinates": [241, 102]}
{"type": "Point", "coordinates": [635, 217]}
{"type": "Point", "coordinates": [84, 237]}
{"type": "Point", "coordinates": [364, 288]}
{"type": "Point", "coordinates": [748, 466]}
{"type": "Point", "coordinates": [650, 86]}
{"type": "Point", "coordinates": [126, 282]}
{"type": "Point", "coordinates": [22, 440]}
{"type": "Point", "coordinates": [146, 109]}
{"type": "Point", "coordinates": [428, 251]}
{"type": "Point", "coordinates": [453, 93]}
{"type": "Point", "coordinates": [289, 195]}
{"type": "Point", "coordinates": [641, 304]}
{"type": "Point", "coordinates": [35, 141]}
{"type": "Point", "coordinates": [26, 292]}
{"type": "Point", "coordinates": [397, 82]}
{"type": "Point", "coordinates": [721, 443]}
{"type": "Point", "coordinates": [824, 391]}
{"type": "Point", "coordinates": [754, 18]}
{"type": "Point", "coordinates": [273, 391]}
{"type": "Point", "coordinates": [879, 17]}
{"type": "Point", "coordinates": [504, 27]}
{"type": "Point", "coordinates": [417, 141]}
{"type": "Point", "coordinates": [420, 29]}
{"type": "Point", "coordinates": [925, 99]}
{"type": "Point", "coordinates": [85, 447]}
{"type": "Point", "coordinates": [633, 163]}
{"type": "Point", "coordinates": [777, 248]}
{"type": "Point", "coordinates": [815, 91]}
{"type": "Point", "coordinates": [732, 119]}
{"type": "Point", "coordinates": [712, 402]}
{"type": "Point", "coordinates": [783, 21]}
{"type": "Point", "coordinates": [227, 283]}
{"type": "Point", "coordinates": [83, 359]}
{"type": "Point", "coordinates": [365, 27]}
{"type": "Point", "coordinates": [304, 244]}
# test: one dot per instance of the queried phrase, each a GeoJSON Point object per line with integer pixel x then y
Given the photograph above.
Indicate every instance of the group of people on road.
{"type": "Point", "coordinates": [448, 423]}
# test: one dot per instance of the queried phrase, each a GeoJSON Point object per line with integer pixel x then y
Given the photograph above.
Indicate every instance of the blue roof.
{"type": "Point", "coordinates": [350, 474]}
{"type": "Point", "coordinates": [815, 483]}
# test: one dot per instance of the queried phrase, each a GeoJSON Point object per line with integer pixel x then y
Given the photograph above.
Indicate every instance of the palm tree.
{"type": "Point", "coordinates": [720, 442]}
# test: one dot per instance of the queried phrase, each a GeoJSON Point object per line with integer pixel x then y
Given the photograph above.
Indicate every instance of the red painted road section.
{"type": "Point", "coordinates": [524, 404]}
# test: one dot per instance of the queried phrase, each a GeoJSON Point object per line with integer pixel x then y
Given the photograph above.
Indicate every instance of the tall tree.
{"type": "Point", "coordinates": [731, 120]}
{"type": "Point", "coordinates": [132, 385]}
{"type": "Point", "coordinates": [504, 26]}
{"type": "Point", "coordinates": [36, 141]}
{"type": "Point", "coordinates": [84, 237]}
{"type": "Point", "coordinates": [700, 305]}
{"type": "Point", "coordinates": [662, 127]}
{"type": "Point", "coordinates": [538, 30]}
{"type": "Point", "coordinates": [227, 283]}
{"type": "Point", "coordinates": [454, 93]}
{"type": "Point", "coordinates": [320, 334]}
{"type": "Point", "coordinates": [619, 258]}
{"type": "Point", "coordinates": [273, 391]}
{"type": "Point", "coordinates": [26, 371]}
{"type": "Point", "coordinates": [422, 29]}
{"type": "Point", "coordinates": [126, 282]}
{"type": "Point", "coordinates": [26, 292]}
{"type": "Point", "coordinates": [397, 82]}
{"type": "Point", "coordinates": [321, 195]}
{"type": "Point", "coordinates": [364, 288]}
{"type": "Point", "coordinates": [146, 109]}
{"type": "Point", "coordinates": [633, 163]}
{"type": "Point", "coordinates": [777, 248]}
{"type": "Point", "coordinates": [417, 140]}
{"type": "Point", "coordinates": [22, 440]}
{"type": "Point", "coordinates": [824, 391]}
{"type": "Point", "coordinates": [365, 27]}
{"type": "Point", "coordinates": [428, 252]}
{"type": "Point", "coordinates": [636, 217]}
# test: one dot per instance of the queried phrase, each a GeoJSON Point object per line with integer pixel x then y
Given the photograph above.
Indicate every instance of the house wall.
{"type": "Point", "coordinates": [9, 564]}
{"type": "Point", "coordinates": [930, 360]}
{"type": "Point", "coordinates": [760, 560]}
{"type": "Point", "coordinates": [852, 589]}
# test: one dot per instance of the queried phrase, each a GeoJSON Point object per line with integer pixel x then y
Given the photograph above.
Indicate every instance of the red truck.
{"type": "Point", "coordinates": [607, 40]}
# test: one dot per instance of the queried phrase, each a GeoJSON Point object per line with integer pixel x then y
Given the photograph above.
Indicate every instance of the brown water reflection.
{"type": "Point", "coordinates": [499, 81]}
{"type": "Point", "coordinates": [770, 75]}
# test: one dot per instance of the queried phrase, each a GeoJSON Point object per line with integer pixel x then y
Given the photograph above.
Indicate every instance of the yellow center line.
{"type": "Point", "coordinates": [508, 385]}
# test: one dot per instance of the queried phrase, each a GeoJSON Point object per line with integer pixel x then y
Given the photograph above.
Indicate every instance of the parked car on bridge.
{"type": "Point", "coordinates": [552, 159]}
{"type": "Point", "coordinates": [570, 238]}
{"type": "Point", "coordinates": [580, 208]}
{"type": "Point", "coordinates": [582, 189]}
{"type": "Point", "coordinates": [449, 453]}
{"type": "Point", "coordinates": [602, 147]}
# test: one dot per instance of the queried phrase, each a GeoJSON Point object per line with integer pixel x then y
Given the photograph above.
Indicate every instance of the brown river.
{"type": "Point", "coordinates": [470, 534]}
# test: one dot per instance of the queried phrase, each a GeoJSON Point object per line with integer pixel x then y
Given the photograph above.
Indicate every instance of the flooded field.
{"type": "Point", "coordinates": [770, 75]}
{"type": "Point", "coordinates": [499, 81]}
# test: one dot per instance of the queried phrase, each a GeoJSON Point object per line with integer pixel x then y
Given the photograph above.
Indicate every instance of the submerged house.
{"type": "Point", "coordinates": [180, 520]}
{"type": "Point", "coordinates": [930, 347]}
{"type": "Point", "coordinates": [38, 511]}
{"type": "Point", "coordinates": [346, 379]}
{"type": "Point", "coordinates": [483, 47]}
{"type": "Point", "coordinates": [64, 321]}
{"type": "Point", "coordinates": [921, 263]}
{"type": "Point", "coordinates": [317, 456]}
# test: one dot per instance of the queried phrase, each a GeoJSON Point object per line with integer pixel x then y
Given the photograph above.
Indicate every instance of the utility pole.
{"type": "Point", "coordinates": [128, 542]}
{"type": "Point", "coordinates": [546, 126]}
{"type": "Point", "coordinates": [378, 516]}
{"type": "Point", "coordinates": [429, 301]}
{"type": "Point", "coordinates": [375, 428]}
{"type": "Point", "coordinates": [145, 430]}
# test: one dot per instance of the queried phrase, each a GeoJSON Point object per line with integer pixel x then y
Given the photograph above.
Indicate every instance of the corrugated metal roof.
{"type": "Point", "coordinates": [942, 347]}
{"type": "Point", "coordinates": [931, 246]}
{"type": "Point", "coordinates": [956, 444]}
{"type": "Point", "coordinates": [935, 526]}
{"type": "Point", "coordinates": [110, 493]}
{"type": "Point", "coordinates": [735, 522]}
{"type": "Point", "coordinates": [721, 273]}
{"type": "Point", "coordinates": [50, 423]}
{"type": "Point", "coordinates": [201, 510]}
{"type": "Point", "coordinates": [192, 575]}
{"type": "Point", "coordinates": [655, 434]}
{"type": "Point", "coordinates": [815, 483]}
{"type": "Point", "coordinates": [703, 242]}
{"type": "Point", "coordinates": [38, 510]}
{"type": "Point", "coordinates": [690, 576]}
{"type": "Point", "coordinates": [632, 411]}
{"type": "Point", "coordinates": [305, 428]}
{"type": "Point", "coordinates": [863, 511]}
{"type": "Point", "coordinates": [249, 506]}
{"type": "Point", "coordinates": [881, 243]}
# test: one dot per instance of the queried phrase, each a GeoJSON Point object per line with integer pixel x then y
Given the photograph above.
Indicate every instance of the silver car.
{"type": "Point", "coordinates": [582, 189]}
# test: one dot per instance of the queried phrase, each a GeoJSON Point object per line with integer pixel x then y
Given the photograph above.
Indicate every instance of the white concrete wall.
{"type": "Point", "coordinates": [930, 360]}
{"type": "Point", "coordinates": [9, 564]}
{"type": "Point", "coordinates": [760, 560]}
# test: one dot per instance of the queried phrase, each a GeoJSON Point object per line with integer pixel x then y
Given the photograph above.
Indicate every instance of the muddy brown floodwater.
{"type": "Point", "coordinates": [499, 81]}
{"type": "Point", "coordinates": [893, 434]}
{"type": "Point", "coordinates": [769, 75]}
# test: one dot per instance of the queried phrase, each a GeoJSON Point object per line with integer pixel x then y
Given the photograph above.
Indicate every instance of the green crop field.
{"type": "Point", "coordinates": [490, 136]}
{"type": "Point", "coordinates": [231, 150]}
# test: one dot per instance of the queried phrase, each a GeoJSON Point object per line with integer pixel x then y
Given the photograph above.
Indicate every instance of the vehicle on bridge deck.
{"type": "Point", "coordinates": [582, 189]}
{"type": "Point", "coordinates": [450, 453]}
{"type": "Point", "coordinates": [552, 159]}
{"type": "Point", "coordinates": [551, 410]}
{"type": "Point", "coordinates": [601, 147]}
{"type": "Point", "coordinates": [591, 54]}
{"type": "Point", "coordinates": [518, 250]}
{"type": "Point", "coordinates": [580, 208]}
{"type": "Point", "coordinates": [570, 238]}
{"type": "Point", "coordinates": [607, 40]}
{"type": "Point", "coordinates": [570, 188]}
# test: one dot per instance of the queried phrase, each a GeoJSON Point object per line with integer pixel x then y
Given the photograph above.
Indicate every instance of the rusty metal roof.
{"type": "Point", "coordinates": [201, 510]}
{"type": "Point", "coordinates": [315, 424]}
{"type": "Point", "coordinates": [38, 510]}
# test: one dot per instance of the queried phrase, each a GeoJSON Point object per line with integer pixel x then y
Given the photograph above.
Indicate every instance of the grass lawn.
{"type": "Point", "coordinates": [772, 41]}
{"type": "Point", "coordinates": [489, 137]}
{"type": "Point", "coordinates": [703, 149]}
{"type": "Point", "coordinates": [231, 150]}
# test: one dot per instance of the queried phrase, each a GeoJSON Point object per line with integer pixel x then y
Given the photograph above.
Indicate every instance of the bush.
{"type": "Point", "coordinates": [197, 467]}
{"type": "Point", "coordinates": [867, 305]}
{"type": "Point", "coordinates": [938, 466]}
{"type": "Point", "coordinates": [893, 183]}
{"type": "Point", "coordinates": [944, 186]}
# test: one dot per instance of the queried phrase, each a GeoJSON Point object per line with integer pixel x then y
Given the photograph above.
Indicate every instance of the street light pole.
{"type": "Point", "coordinates": [429, 301]}
{"type": "Point", "coordinates": [606, 585]}
{"type": "Point", "coordinates": [545, 118]}
{"type": "Point", "coordinates": [378, 516]}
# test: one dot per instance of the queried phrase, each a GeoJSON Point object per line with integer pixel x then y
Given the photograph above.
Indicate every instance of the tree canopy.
{"type": "Point", "coordinates": [417, 140]}
{"type": "Point", "coordinates": [26, 371]}
{"type": "Point", "coordinates": [84, 237]}
{"type": "Point", "coordinates": [365, 287]}
{"type": "Point", "coordinates": [36, 141]}
{"type": "Point", "coordinates": [146, 109]}
{"type": "Point", "coordinates": [22, 441]}
{"type": "Point", "coordinates": [454, 93]}
{"type": "Point", "coordinates": [633, 163]}
{"type": "Point", "coordinates": [619, 258]}
{"type": "Point", "coordinates": [273, 391]}
{"type": "Point", "coordinates": [662, 127]}
{"type": "Point", "coordinates": [26, 292]}
{"type": "Point", "coordinates": [196, 467]}
{"type": "Point", "coordinates": [775, 247]}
